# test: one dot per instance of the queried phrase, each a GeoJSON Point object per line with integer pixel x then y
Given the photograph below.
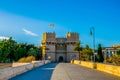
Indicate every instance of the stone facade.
{"type": "Point", "coordinates": [59, 49]}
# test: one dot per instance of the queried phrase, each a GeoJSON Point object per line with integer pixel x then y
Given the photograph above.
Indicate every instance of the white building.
{"type": "Point", "coordinates": [109, 51]}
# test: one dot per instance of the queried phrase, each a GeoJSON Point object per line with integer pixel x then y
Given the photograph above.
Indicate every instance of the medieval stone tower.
{"type": "Point", "coordinates": [60, 49]}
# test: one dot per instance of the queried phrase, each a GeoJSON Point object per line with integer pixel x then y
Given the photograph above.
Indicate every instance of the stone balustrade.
{"type": "Point", "coordinates": [19, 68]}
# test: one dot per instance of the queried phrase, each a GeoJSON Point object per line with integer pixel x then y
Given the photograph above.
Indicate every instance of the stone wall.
{"type": "Point", "coordinates": [51, 52]}
{"type": "Point", "coordinates": [88, 64]}
{"type": "Point", "coordinates": [115, 70]}
{"type": "Point", "coordinates": [72, 55]}
{"type": "Point", "coordinates": [18, 64]}
{"type": "Point", "coordinates": [51, 55]}
{"type": "Point", "coordinates": [111, 69]}
{"type": "Point", "coordinates": [70, 48]}
{"type": "Point", "coordinates": [51, 48]}
{"type": "Point", "coordinates": [19, 68]}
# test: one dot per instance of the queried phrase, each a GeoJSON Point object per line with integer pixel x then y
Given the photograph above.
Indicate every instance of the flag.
{"type": "Point", "coordinates": [51, 25]}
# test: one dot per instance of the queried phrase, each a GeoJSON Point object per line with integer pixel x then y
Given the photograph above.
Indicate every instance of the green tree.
{"type": "Point", "coordinates": [32, 52]}
{"type": "Point", "coordinates": [86, 53]}
{"type": "Point", "coordinates": [11, 47]}
{"type": "Point", "coordinates": [78, 48]}
{"type": "Point", "coordinates": [4, 51]}
{"type": "Point", "coordinates": [118, 52]}
{"type": "Point", "coordinates": [38, 53]}
{"type": "Point", "coordinates": [7, 48]}
{"type": "Point", "coordinates": [20, 51]}
{"type": "Point", "coordinates": [100, 57]}
{"type": "Point", "coordinates": [11, 51]}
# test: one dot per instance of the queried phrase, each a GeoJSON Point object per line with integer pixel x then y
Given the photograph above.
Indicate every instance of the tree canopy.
{"type": "Point", "coordinates": [78, 48]}
{"type": "Point", "coordinates": [87, 53]}
{"type": "Point", "coordinates": [100, 57]}
{"type": "Point", "coordinates": [11, 51]}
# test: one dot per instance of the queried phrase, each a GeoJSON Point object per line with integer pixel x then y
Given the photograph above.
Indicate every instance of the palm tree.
{"type": "Point", "coordinates": [78, 49]}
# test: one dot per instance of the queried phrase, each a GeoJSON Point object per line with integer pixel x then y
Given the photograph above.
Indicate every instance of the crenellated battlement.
{"type": "Point", "coordinates": [72, 36]}
{"type": "Point", "coordinates": [49, 36]}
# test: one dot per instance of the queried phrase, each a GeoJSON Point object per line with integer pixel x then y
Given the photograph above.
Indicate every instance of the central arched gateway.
{"type": "Point", "coordinates": [60, 59]}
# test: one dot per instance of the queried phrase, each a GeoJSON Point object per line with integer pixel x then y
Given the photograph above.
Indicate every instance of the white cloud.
{"type": "Point", "coordinates": [3, 37]}
{"type": "Point", "coordinates": [29, 32]}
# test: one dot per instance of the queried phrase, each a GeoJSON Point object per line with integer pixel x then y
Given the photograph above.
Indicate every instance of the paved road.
{"type": "Point", "coordinates": [64, 71]}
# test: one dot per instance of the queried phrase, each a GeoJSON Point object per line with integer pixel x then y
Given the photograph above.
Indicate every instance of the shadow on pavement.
{"type": "Point", "coordinates": [41, 73]}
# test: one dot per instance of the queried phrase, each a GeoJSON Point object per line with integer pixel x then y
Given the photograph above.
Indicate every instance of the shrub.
{"type": "Point", "coordinates": [114, 59]}
{"type": "Point", "coordinates": [21, 60]}
{"type": "Point", "coordinates": [30, 59]}
{"type": "Point", "coordinates": [117, 60]}
{"type": "Point", "coordinates": [27, 59]}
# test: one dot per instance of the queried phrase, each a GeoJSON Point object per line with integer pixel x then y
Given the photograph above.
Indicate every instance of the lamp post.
{"type": "Point", "coordinates": [92, 33]}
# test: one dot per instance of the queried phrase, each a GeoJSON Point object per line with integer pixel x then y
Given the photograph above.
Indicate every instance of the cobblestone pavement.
{"type": "Point", "coordinates": [64, 71]}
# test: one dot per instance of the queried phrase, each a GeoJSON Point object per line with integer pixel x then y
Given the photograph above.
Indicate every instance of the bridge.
{"type": "Point", "coordinates": [64, 71]}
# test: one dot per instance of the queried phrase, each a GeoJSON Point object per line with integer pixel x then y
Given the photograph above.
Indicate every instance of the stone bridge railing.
{"type": "Point", "coordinates": [19, 68]}
{"type": "Point", "coordinates": [112, 69]}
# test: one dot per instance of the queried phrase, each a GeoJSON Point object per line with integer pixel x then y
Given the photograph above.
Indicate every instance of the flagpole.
{"type": "Point", "coordinates": [92, 32]}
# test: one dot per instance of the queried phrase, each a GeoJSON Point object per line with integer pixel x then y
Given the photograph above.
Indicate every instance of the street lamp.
{"type": "Point", "coordinates": [49, 57]}
{"type": "Point", "coordinates": [92, 33]}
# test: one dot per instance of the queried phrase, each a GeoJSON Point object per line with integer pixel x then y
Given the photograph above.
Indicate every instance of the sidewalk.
{"type": "Point", "coordinates": [67, 71]}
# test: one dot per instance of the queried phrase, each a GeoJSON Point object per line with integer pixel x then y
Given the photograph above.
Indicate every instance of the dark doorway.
{"type": "Point", "coordinates": [60, 59]}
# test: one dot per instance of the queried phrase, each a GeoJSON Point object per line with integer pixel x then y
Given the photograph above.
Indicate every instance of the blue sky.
{"type": "Point", "coordinates": [26, 20]}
